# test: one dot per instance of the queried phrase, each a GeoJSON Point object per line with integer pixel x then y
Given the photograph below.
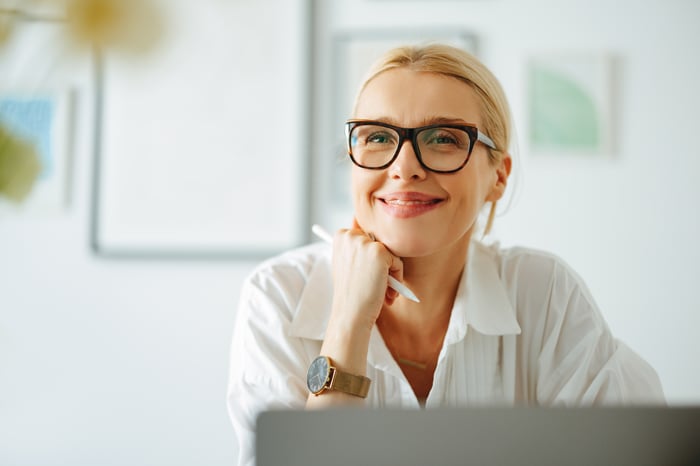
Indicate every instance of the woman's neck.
{"type": "Point", "coordinates": [435, 280]}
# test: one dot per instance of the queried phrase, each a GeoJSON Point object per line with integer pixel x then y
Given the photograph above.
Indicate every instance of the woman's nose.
{"type": "Point", "coordinates": [406, 165]}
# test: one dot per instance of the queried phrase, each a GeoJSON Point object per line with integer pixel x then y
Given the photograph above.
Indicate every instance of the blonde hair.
{"type": "Point", "coordinates": [451, 61]}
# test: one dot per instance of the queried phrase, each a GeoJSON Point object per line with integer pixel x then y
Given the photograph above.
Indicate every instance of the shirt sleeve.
{"type": "Point", "coordinates": [580, 363]}
{"type": "Point", "coordinates": [267, 367]}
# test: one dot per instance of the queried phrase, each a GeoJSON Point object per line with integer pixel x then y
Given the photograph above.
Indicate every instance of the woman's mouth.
{"type": "Point", "coordinates": [408, 204]}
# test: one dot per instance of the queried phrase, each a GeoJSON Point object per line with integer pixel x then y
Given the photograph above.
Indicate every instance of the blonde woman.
{"type": "Point", "coordinates": [319, 327]}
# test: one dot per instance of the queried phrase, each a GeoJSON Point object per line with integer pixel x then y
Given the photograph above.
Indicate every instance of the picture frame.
{"type": "Point", "coordinates": [192, 177]}
{"type": "Point", "coordinates": [353, 52]}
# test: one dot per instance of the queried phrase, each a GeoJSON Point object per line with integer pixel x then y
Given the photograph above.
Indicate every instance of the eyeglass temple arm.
{"type": "Point", "coordinates": [485, 140]}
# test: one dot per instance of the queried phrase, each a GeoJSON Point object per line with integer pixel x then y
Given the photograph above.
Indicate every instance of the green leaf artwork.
{"type": "Point", "coordinates": [563, 113]}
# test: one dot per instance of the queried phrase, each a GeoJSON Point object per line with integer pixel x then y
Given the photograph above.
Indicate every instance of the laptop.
{"type": "Point", "coordinates": [620, 436]}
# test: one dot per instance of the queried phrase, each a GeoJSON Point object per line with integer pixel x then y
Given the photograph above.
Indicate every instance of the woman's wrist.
{"type": "Point", "coordinates": [347, 348]}
{"type": "Point", "coordinates": [346, 342]}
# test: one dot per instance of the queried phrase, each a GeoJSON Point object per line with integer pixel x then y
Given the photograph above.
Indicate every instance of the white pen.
{"type": "Point", "coordinates": [393, 283]}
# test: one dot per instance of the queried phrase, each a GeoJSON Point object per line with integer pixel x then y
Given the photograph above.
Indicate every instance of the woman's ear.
{"type": "Point", "coordinates": [502, 173]}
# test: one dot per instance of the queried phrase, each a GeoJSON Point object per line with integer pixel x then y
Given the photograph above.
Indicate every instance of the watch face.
{"type": "Point", "coordinates": [317, 376]}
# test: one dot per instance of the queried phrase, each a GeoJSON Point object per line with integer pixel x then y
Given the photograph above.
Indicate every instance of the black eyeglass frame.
{"type": "Point", "coordinates": [411, 134]}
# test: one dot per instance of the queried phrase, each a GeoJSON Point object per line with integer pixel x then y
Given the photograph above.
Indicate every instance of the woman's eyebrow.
{"type": "Point", "coordinates": [438, 120]}
{"type": "Point", "coordinates": [429, 120]}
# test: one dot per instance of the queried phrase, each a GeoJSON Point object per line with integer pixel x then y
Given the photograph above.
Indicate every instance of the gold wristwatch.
{"type": "Point", "coordinates": [323, 376]}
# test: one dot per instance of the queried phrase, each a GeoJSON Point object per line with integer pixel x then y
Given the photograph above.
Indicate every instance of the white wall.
{"type": "Point", "coordinates": [124, 361]}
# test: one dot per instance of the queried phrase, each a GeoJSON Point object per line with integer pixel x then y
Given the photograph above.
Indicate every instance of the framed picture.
{"type": "Point", "coordinates": [201, 154]}
{"type": "Point", "coordinates": [43, 119]}
{"type": "Point", "coordinates": [570, 104]}
{"type": "Point", "coordinates": [353, 53]}
{"type": "Point", "coordinates": [38, 91]}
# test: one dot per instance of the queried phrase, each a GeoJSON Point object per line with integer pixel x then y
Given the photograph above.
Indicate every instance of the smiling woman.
{"type": "Point", "coordinates": [428, 138]}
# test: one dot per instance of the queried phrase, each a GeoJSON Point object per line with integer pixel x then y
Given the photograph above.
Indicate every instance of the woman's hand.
{"type": "Point", "coordinates": [361, 268]}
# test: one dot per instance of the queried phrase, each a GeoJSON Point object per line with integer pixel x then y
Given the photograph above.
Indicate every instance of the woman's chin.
{"type": "Point", "coordinates": [403, 248]}
{"type": "Point", "coordinates": [423, 245]}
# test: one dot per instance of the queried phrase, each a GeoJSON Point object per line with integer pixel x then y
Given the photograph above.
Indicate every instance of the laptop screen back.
{"type": "Point", "coordinates": [480, 436]}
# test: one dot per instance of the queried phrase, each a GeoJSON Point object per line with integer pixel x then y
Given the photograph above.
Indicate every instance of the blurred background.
{"type": "Point", "coordinates": [152, 152]}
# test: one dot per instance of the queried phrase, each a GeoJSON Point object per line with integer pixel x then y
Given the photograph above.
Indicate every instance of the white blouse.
{"type": "Point", "coordinates": [524, 330]}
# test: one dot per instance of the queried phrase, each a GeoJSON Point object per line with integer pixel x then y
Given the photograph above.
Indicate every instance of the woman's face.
{"type": "Point", "coordinates": [413, 211]}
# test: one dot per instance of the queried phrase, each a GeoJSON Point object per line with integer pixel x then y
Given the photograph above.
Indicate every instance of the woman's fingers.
{"type": "Point", "coordinates": [356, 226]}
{"type": "Point", "coordinates": [361, 269]}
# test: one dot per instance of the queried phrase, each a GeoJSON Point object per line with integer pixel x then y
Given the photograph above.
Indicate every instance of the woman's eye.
{"type": "Point", "coordinates": [379, 138]}
{"type": "Point", "coordinates": [444, 138]}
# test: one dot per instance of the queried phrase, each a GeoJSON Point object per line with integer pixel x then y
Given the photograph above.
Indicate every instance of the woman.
{"type": "Point", "coordinates": [428, 140]}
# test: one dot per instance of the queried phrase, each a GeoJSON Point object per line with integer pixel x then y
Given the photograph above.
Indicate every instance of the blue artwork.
{"type": "Point", "coordinates": [31, 119]}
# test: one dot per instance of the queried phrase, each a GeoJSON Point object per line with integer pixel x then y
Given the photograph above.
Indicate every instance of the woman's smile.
{"type": "Point", "coordinates": [408, 204]}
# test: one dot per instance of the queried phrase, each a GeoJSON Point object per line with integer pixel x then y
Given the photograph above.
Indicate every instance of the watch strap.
{"type": "Point", "coordinates": [357, 385]}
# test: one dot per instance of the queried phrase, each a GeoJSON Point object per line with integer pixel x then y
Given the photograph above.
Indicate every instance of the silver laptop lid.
{"type": "Point", "coordinates": [480, 436]}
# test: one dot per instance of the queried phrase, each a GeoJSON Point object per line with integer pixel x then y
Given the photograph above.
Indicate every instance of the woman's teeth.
{"type": "Point", "coordinates": [408, 203]}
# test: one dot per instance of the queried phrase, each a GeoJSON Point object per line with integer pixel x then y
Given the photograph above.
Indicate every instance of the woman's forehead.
{"type": "Point", "coordinates": [412, 98]}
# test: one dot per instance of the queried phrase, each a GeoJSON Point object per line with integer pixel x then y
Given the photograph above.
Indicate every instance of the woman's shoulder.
{"type": "Point", "coordinates": [519, 257]}
{"type": "Point", "coordinates": [525, 268]}
{"type": "Point", "coordinates": [543, 288]}
{"type": "Point", "coordinates": [295, 265]}
{"type": "Point", "coordinates": [274, 290]}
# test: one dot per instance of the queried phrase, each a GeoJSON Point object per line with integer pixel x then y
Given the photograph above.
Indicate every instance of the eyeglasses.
{"type": "Point", "coordinates": [441, 148]}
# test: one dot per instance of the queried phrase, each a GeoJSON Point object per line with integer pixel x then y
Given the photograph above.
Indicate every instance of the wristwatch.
{"type": "Point", "coordinates": [323, 376]}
